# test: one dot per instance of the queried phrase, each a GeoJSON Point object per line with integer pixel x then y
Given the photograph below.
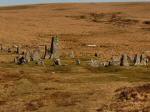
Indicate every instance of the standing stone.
{"type": "Point", "coordinates": [143, 59]}
{"type": "Point", "coordinates": [28, 56]}
{"type": "Point", "coordinates": [106, 64]}
{"type": "Point", "coordinates": [57, 61]}
{"type": "Point", "coordinates": [9, 50]}
{"type": "Point", "coordinates": [137, 59]}
{"type": "Point", "coordinates": [131, 59]}
{"type": "Point", "coordinates": [47, 53]}
{"type": "Point", "coordinates": [124, 60]}
{"type": "Point", "coordinates": [71, 54]}
{"type": "Point", "coordinates": [17, 50]}
{"type": "Point", "coordinates": [16, 59]}
{"type": "Point", "coordinates": [55, 48]}
{"type": "Point", "coordinates": [78, 62]}
{"type": "Point", "coordinates": [36, 55]}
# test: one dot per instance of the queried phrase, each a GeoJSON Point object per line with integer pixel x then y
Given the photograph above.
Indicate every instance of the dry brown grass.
{"type": "Point", "coordinates": [122, 26]}
{"type": "Point", "coordinates": [114, 27]}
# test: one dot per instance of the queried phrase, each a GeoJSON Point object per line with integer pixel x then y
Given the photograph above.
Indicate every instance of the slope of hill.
{"type": "Point", "coordinates": [114, 27]}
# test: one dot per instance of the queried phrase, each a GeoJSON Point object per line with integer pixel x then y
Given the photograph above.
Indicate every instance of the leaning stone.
{"type": "Point", "coordinates": [124, 60]}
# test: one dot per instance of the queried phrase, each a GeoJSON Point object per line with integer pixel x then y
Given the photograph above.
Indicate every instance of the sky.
{"type": "Point", "coordinates": [16, 2]}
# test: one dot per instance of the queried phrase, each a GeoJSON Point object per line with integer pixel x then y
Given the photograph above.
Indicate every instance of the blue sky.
{"type": "Point", "coordinates": [14, 2]}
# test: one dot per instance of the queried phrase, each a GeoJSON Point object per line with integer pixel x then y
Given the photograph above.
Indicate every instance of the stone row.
{"type": "Point", "coordinates": [123, 60]}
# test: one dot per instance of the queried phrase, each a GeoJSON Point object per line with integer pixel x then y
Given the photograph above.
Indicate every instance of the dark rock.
{"type": "Point", "coordinates": [78, 62]}
{"type": "Point", "coordinates": [20, 60]}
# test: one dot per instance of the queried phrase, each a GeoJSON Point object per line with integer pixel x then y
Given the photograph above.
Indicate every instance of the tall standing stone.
{"type": "Point", "coordinates": [55, 48]}
{"type": "Point", "coordinates": [124, 60]}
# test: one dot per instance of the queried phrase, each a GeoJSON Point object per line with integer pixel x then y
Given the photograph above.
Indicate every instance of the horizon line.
{"type": "Point", "coordinates": [44, 3]}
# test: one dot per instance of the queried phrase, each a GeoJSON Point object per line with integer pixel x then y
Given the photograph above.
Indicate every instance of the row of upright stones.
{"type": "Point", "coordinates": [49, 53]}
{"type": "Point", "coordinates": [123, 60]}
{"type": "Point", "coordinates": [54, 53]}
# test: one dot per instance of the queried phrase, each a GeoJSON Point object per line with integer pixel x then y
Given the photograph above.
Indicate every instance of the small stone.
{"type": "Point", "coordinates": [9, 50]}
{"type": "Point", "coordinates": [57, 62]}
{"type": "Point", "coordinates": [36, 55]}
{"type": "Point", "coordinates": [94, 63]}
{"type": "Point", "coordinates": [106, 64]}
{"type": "Point", "coordinates": [78, 62]}
{"type": "Point", "coordinates": [71, 54]}
{"type": "Point", "coordinates": [115, 61]}
{"type": "Point", "coordinates": [143, 59]}
{"type": "Point", "coordinates": [41, 62]}
{"type": "Point", "coordinates": [20, 60]}
{"type": "Point", "coordinates": [28, 56]}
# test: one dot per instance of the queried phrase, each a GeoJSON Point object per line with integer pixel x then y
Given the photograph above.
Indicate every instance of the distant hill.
{"type": "Point", "coordinates": [113, 27]}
